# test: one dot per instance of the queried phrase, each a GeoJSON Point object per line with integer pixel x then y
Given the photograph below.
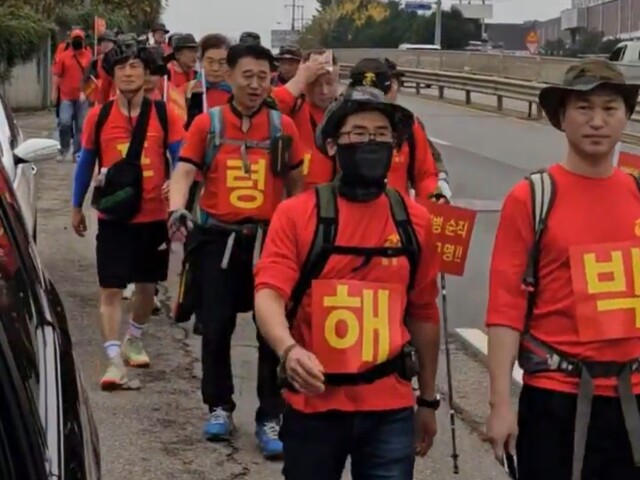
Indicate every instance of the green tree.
{"type": "Point", "coordinates": [369, 24]}
{"type": "Point", "coordinates": [22, 36]}
{"type": "Point", "coordinates": [25, 25]}
{"type": "Point", "coordinates": [554, 48]}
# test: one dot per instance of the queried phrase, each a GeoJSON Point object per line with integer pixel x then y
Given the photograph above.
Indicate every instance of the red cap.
{"type": "Point", "coordinates": [77, 33]}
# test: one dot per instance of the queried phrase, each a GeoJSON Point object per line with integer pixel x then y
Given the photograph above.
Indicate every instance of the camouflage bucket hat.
{"type": "Point", "coordinates": [362, 99]}
{"type": "Point", "coordinates": [585, 77]}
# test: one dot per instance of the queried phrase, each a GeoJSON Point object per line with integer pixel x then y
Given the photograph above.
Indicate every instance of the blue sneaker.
{"type": "Point", "coordinates": [219, 426]}
{"type": "Point", "coordinates": [267, 436]}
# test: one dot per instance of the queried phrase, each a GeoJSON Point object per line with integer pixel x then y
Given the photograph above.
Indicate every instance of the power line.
{"type": "Point", "coordinates": [297, 15]}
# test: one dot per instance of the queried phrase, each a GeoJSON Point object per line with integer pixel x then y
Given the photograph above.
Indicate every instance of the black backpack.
{"type": "Point", "coordinates": [120, 195]}
{"type": "Point", "coordinates": [323, 245]}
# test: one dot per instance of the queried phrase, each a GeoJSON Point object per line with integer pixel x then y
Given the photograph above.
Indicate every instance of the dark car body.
{"type": "Point", "coordinates": [47, 430]}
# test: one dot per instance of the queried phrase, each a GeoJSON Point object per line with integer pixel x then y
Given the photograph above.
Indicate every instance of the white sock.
{"type": "Point", "coordinates": [113, 349]}
{"type": "Point", "coordinates": [135, 330]}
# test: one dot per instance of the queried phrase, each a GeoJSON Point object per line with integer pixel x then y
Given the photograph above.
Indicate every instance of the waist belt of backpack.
{"type": "Point", "coordinates": [392, 366]}
{"type": "Point", "coordinates": [537, 356]}
{"type": "Point", "coordinates": [251, 229]}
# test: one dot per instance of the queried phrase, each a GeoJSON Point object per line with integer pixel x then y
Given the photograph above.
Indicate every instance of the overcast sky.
{"type": "Point", "coordinates": [231, 17]}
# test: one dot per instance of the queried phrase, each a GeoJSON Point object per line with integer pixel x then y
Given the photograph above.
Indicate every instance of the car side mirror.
{"type": "Point", "coordinates": [36, 150]}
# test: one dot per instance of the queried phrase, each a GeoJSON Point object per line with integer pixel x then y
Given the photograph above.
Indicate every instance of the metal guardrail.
{"type": "Point", "coordinates": [500, 88]}
{"type": "Point", "coordinates": [519, 67]}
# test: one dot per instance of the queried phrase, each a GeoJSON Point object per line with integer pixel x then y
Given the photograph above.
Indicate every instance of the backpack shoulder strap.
{"type": "Point", "coordinates": [275, 123]}
{"type": "Point", "coordinates": [324, 236]}
{"type": "Point", "coordinates": [103, 115]}
{"type": "Point", "coordinates": [163, 117]}
{"type": "Point", "coordinates": [214, 139]}
{"type": "Point", "coordinates": [406, 232]}
{"type": "Point", "coordinates": [542, 189]}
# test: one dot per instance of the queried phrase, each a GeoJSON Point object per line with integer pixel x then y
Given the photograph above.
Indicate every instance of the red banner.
{"type": "Point", "coordinates": [356, 324]}
{"type": "Point", "coordinates": [606, 285]}
{"type": "Point", "coordinates": [452, 228]}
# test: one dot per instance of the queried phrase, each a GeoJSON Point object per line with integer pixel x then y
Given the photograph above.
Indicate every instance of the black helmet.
{"type": "Point", "coordinates": [362, 99]}
{"type": "Point", "coordinates": [122, 53]}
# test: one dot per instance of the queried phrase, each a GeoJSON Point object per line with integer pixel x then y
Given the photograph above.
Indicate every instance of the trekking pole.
{"type": "Point", "coordinates": [452, 413]}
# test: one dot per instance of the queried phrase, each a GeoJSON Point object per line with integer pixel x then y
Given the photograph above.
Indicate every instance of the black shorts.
{"type": "Point", "coordinates": [132, 253]}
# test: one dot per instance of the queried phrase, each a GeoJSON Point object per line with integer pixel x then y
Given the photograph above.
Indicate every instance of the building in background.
{"type": "Point", "coordinates": [614, 18]}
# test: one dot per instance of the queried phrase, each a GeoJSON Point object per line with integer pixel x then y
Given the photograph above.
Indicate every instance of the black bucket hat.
{"type": "Point", "coordinates": [180, 41]}
{"type": "Point", "coordinates": [250, 37]}
{"type": "Point", "coordinates": [371, 72]}
{"type": "Point", "coordinates": [362, 99]}
{"type": "Point", "coordinates": [160, 27]}
{"type": "Point", "coordinates": [186, 40]}
{"type": "Point", "coordinates": [585, 77]}
{"type": "Point", "coordinates": [289, 52]}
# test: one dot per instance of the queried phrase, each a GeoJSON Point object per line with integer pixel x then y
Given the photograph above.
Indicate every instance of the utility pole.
{"type": "Point", "coordinates": [293, 15]}
{"type": "Point", "coordinates": [438, 33]}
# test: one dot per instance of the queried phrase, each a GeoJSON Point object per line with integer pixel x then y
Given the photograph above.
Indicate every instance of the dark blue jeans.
{"type": "Point", "coordinates": [317, 445]}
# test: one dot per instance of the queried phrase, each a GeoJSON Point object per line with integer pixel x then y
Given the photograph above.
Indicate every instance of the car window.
{"type": "Point", "coordinates": [18, 298]}
{"type": "Point", "coordinates": [11, 121]}
{"type": "Point", "coordinates": [22, 444]}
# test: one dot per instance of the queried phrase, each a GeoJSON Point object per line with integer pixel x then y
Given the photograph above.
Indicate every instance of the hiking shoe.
{"type": "Point", "coordinates": [116, 378]}
{"type": "Point", "coordinates": [133, 353]}
{"type": "Point", "coordinates": [219, 426]}
{"type": "Point", "coordinates": [268, 441]}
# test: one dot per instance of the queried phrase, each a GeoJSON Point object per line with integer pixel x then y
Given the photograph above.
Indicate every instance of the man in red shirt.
{"type": "Point", "coordinates": [563, 295]}
{"type": "Point", "coordinates": [396, 84]}
{"type": "Point", "coordinates": [248, 155]}
{"type": "Point", "coordinates": [159, 33]}
{"type": "Point", "coordinates": [213, 61]}
{"type": "Point", "coordinates": [413, 165]}
{"type": "Point", "coordinates": [133, 249]}
{"type": "Point", "coordinates": [69, 72]}
{"type": "Point", "coordinates": [346, 284]}
{"type": "Point", "coordinates": [305, 98]}
{"type": "Point", "coordinates": [183, 59]}
{"type": "Point", "coordinates": [95, 74]}
{"type": "Point", "coordinates": [289, 58]}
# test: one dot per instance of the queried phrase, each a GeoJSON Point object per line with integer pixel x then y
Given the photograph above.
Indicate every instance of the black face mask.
{"type": "Point", "coordinates": [364, 169]}
{"type": "Point", "coordinates": [77, 44]}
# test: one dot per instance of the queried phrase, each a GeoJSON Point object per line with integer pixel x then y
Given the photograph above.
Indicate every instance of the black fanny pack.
{"type": "Point", "coordinates": [120, 195]}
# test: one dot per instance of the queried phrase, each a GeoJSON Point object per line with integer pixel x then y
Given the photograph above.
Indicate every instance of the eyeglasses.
{"type": "Point", "coordinates": [364, 136]}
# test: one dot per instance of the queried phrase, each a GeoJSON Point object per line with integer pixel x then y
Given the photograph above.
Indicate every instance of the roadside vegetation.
{"type": "Point", "coordinates": [378, 24]}
{"type": "Point", "coordinates": [27, 25]}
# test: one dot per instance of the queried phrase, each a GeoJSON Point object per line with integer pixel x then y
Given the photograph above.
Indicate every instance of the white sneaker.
{"type": "Point", "coordinates": [127, 293]}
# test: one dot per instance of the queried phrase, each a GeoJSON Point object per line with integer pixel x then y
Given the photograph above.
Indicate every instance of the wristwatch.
{"type": "Point", "coordinates": [430, 404]}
